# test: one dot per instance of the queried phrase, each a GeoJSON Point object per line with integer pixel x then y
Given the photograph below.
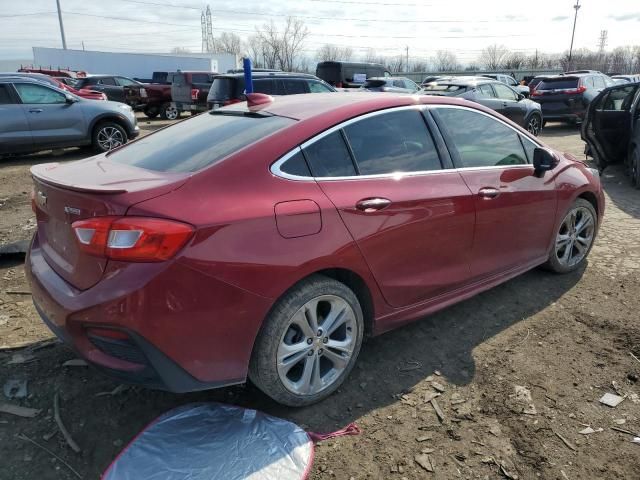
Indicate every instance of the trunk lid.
{"type": "Point", "coordinates": [89, 188]}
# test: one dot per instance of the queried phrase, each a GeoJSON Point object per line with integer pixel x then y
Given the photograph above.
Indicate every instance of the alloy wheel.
{"type": "Point", "coordinates": [317, 345]}
{"type": "Point", "coordinates": [575, 236]}
{"type": "Point", "coordinates": [109, 138]}
{"type": "Point", "coordinates": [171, 113]}
{"type": "Point", "coordinates": [534, 126]}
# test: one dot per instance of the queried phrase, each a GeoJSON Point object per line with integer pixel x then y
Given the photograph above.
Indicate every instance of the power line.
{"type": "Point", "coordinates": [373, 4]}
{"type": "Point", "coordinates": [27, 14]}
{"type": "Point", "coordinates": [186, 7]}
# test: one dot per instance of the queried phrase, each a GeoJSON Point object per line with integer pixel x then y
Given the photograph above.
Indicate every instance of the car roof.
{"type": "Point", "coordinates": [11, 79]}
{"type": "Point", "coordinates": [341, 106]}
{"type": "Point", "coordinates": [387, 78]}
{"type": "Point", "coordinates": [256, 75]}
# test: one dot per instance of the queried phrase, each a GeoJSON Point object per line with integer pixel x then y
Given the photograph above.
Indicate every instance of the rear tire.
{"type": "Point", "coordinates": [169, 112]}
{"type": "Point", "coordinates": [309, 342]}
{"type": "Point", "coordinates": [574, 238]}
{"type": "Point", "coordinates": [107, 136]}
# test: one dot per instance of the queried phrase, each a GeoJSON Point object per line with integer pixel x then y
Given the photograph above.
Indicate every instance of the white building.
{"type": "Point", "coordinates": [140, 65]}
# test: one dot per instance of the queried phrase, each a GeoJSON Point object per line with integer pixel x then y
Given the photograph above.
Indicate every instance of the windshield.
{"type": "Point", "coordinates": [199, 142]}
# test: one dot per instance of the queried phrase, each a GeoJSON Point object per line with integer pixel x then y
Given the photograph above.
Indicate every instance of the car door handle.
{"type": "Point", "coordinates": [369, 205]}
{"type": "Point", "coordinates": [488, 192]}
{"type": "Point", "coordinates": [35, 110]}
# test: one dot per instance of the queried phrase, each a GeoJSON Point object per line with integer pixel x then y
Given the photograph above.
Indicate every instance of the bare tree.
{"type": "Point", "coordinates": [228, 43]}
{"type": "Point", "coordinates": [493, 56]}
{"type": "Point", "coordinates": [396, 63]}
{"type": "Point", "coordinates": [373, 57]}
{"type": "Point", "coordinates": [332, 53]}
{"type": "Point", "coordinates": [180, 50]}
{"type": "Point", "coordinates": [419, 66]}
{"type": "Point", "coordinates": [445, 61]}
{"type": "Point", "coordinates": [514, 61]}
{"type": "Point", "coordinates": [281, 49]}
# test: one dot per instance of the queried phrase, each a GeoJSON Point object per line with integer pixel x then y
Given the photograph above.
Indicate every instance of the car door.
{"type": "Point", "coordinates": [110, 88]}
{"type": "Point", "coordinates": [511, 106]}
{"type": "Point", "coordinates": [485, 95]}
{"type": "Point", "coordinates": [412, 219]}
{"type": "Point", "coordinates": [14, 127]}
{"type": "Point", "coordinates": [131, 91]}
{"type": "Point", "coordinates": [52, 120]}
{"type": "Point", "coordinates": [515, 209]}
{"type": "Point", "coordinates": [612, 121]}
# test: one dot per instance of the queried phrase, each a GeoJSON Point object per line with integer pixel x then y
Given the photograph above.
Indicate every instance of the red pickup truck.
{"type": "Point", "coordinates": [159, 97]}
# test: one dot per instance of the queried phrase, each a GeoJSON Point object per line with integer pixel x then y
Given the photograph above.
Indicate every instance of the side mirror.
{"type": "Point", "coordinates": [70, 99]}
{"type": "Point", "coordinates": [544, 160]}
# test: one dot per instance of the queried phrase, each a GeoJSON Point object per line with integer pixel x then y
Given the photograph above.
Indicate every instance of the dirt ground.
{"type": "Point", "coordinates": [566, 339]}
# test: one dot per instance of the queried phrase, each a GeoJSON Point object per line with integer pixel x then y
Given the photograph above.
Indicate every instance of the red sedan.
{"type": "Point", "coordinates": [265, 240]}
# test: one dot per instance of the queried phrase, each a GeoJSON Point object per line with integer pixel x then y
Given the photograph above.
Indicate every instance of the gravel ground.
{"type": "Point", "coordinates": [519, 370]}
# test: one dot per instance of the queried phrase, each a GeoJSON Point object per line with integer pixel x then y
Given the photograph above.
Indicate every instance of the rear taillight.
{"type": "Point", "coordinates": [231, 101]}
{"type": "Point", "coordinates": [194, 93]}
{"type": "Point", "coordinates": [132, 239]}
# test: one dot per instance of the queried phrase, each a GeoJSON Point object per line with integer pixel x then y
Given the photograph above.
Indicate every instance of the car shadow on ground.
{"type": "Point", "coordinates": [46, 156]}
{"type": "Point", "coordinates": [618, 186]}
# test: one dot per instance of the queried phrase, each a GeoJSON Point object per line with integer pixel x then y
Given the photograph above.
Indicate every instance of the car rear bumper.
{"type": "Point", "coordinates": [190, 107]}
{"type": "Point", "coordinates": [167, 337]}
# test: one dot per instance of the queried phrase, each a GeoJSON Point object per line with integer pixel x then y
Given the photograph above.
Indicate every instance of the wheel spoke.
{"type": "Point", "coordinates": [300, 319]}
{"type": "Point", "coordinates": [566, 255]}
{"type": "Point", "coordinates": [336, 317]}
{"type": "Point", "coordinates": [343, 346]}
{"type": "Point", "coordinates": [311, 315]}
{"type": "Point", "coordinates": [339, 361]}
{"type": "Point", "coordinates": [585, 222]}
{"type": "Point", "coordinates": [562, 240]}
{"type": "Point", "coordinates": [290, 355]}
{"type": "Point", "coordinates": [580, 247]}
{"type": "Point", "coordinates": [305, 382]}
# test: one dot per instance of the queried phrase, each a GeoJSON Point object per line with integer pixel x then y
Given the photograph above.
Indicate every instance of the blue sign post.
{"type": "Point", "coordinates": [248, 81]}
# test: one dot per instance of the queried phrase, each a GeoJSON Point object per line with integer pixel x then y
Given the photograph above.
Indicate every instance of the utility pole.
{"type": "Point", "coordinates": [602, 42]}
{"type": "Point", "coordinates": [575, 19]}
{"type": "Point", "coordinates": [64, 40]}
{"type": "Point", "coordinates": [407, 70]}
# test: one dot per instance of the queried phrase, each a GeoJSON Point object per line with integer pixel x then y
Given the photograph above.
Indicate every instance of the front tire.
{"type": "Point", "coordinates": [574, 238]}
{"type": "Point", "coordinates": [107, 136]}
{"type": "Point", "coordinates": [309, 342]}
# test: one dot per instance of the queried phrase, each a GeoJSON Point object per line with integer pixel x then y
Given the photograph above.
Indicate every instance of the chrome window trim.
{"type": "Point", "coordinates": [275, 167]}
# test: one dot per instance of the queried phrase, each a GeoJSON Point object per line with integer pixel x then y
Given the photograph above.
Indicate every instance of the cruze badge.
{"type": "Point", "coordinates": [72, 211]}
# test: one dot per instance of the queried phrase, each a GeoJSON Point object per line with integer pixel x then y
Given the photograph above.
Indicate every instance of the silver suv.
{"type": "Point", "coordinates": [37, 116]}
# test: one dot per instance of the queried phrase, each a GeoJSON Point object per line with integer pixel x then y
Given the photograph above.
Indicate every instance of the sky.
{"type": "Point", "coordinates": [389, 26]}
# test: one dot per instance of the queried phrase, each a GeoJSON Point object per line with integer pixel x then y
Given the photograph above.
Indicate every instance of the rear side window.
{"type": "Point", "coordinates": [5, 96]}
{"type": "Point", "coordinates": [486, 91]}
{"type": "Point", "coordinates": [317, 87]}
{"type": "Point", "coordinates": [264, 86]}
{"type": "Point", "coordinates": [620, 98]}
{"type": "Point", "coordinates": [558, 84]}
{"type": "Point", "coordinates": [445, 89]}
{"type": "Point", "coordinates": [329, 157]}
{"type": "Point", "coordinates": [198, 143]}
{"type": "Point", "coordinates": [225, 89]}
{"type": "Point", "coordinates": [296, 165]}
{"type": "Point", "coordinates": [125, 82]}
{"type": "Point", "coordinates": [479, 140]}
{"type": "Point", "coordinates": [392, 142]}
{"type": "Point", "coordinates": [293, 87]}
{"type": "Point", "coordinates": [598, 82]}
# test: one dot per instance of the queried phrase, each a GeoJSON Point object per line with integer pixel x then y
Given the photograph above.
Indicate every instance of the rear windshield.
{"type": "Point", "coordinates": [558, 83]}
{"type": "Point", "coordinates": [445, 89]}
{"type": "Point", "coordinates": [200, 78]}
{"type": "Point", "coordinates": [199, 142]}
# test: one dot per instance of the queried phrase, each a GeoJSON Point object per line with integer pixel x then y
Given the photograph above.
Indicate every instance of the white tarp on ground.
{"type": "Point", "coordinates": [140, 65]}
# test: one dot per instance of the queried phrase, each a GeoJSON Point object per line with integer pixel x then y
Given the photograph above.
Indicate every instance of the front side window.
{"type": "Point", "coordinates": [486, 91]}
{"type": "Point", "coordinates": [504, 93]}
{"type": "Point", "coordinates": [106, 81]}
{"type": "Point", "coordinates": [317, 87]}
{"type": "Point", "coordinates": [38, 94]}
{"type": "Point", "coordinates": [392, 142]}
{"type": "Point", "coordinates": [620, 98]}
{"type": "Point", "coordinates": [398, 83]}
{"type": "Point", "coordinates": [125, 82]}
{"type": "Point", "coordinates": [479, 140]}
{"type": "Point", "coordinates": [263, 86]}
{"type": "Point", "coordinates": [329, 157]}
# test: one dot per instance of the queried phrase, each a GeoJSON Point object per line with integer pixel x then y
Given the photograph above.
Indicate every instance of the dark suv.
{"type": "Point", "coordinates": [229, 88]}
{"type": "Point", "coordinates": [117, 89]}
{"type": "Point", "coordinates": [566, 97]}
